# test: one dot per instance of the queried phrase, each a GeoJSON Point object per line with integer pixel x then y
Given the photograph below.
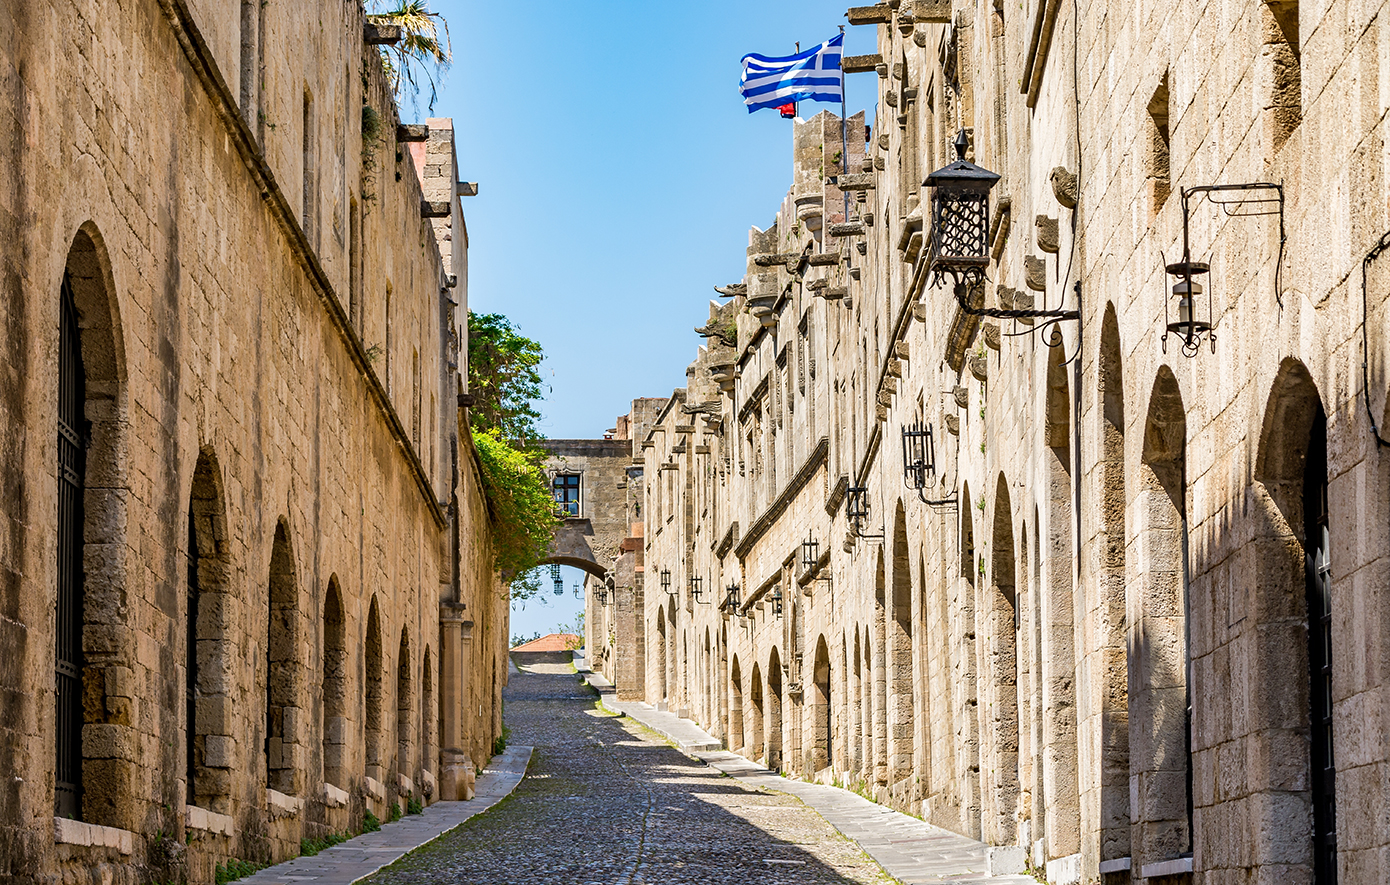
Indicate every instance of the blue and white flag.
{"type": "Point", "coordinates": [813, 75]}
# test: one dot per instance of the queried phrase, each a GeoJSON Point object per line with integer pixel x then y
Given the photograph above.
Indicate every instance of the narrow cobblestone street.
{"type": "Point", "coordinates": [606, 801]}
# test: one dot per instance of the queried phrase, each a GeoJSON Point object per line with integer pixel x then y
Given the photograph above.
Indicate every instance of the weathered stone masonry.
{"type": "Point", "coordinates": [1123, 532]}
{"type": "Point", "coordinates": [260, 564]}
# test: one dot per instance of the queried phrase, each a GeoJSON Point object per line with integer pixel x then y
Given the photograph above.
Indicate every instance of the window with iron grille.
{"type": "Point", "coordinates": [72, 462]}
{"type": "Point", "coordinates": [566, 490]}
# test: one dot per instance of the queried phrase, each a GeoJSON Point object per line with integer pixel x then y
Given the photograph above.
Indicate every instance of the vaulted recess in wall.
{"type": "Point", "coordinates": [1158, 156]}
{"type": "Point", "coordinates": [1280, 71]}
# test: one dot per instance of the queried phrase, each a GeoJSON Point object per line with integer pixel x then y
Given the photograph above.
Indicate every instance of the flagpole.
{"type": "Point", "coordinates": [844, 126]}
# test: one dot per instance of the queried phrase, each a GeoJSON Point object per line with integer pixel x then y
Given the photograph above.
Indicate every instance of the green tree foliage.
{"type": "Point", "coordinates": [519, 504]}
{"type": "Point", "coordinates": [505, 379]}
{"type": "Point", "coordinates": [425, 50]}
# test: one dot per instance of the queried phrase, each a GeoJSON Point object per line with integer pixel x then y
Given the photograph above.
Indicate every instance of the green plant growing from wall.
{"type": "Point", "coordinates": [370, 823]}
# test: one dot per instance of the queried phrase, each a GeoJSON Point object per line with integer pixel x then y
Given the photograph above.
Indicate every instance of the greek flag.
{"type": "Point", "coordinates": [813, 75]}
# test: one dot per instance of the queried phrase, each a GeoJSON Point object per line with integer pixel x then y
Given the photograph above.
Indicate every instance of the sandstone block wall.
{"type": "Point", "coordinates": [270, 356]}
{"type": "Point", "coordinates": [1114, 531]}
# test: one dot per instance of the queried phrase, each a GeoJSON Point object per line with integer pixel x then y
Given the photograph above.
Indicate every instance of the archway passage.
{"type": "Point", "coordinates": [90, 635]}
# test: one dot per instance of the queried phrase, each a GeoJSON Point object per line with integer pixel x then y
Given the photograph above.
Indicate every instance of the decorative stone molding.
{"type": "Point", "coordinates": [428, 786]}
{"type": "Point", "coordinates": [935, 12]}
{"type": "Point", "coordinates": [953, 424]}
{"type": "Point", "coordinates": [75, 832]}
{"type": "Point", "coordinates": [405, 784]}
{"type": "Point", "coordinates": [1176, 867]}
{"type": "Point", "coordinates": [979, 367]}
{"type": "Point", "coordinates": [962, 396]}
{"type": "Point", "coordinates": [847, 229]}
{"type": "Point", "coordinates": [1048, 237]}
{"type": "Point", "coordinates": [856, 183]}
{"type": "Point", "coordinates": [1064, 186]}
{"type": "Point", "coordinates": [732, 290]}
{"type": "Point", "coordinates": [1035, 273]}
{"type": "Point", "coordinates": [412, 132]}
{"type": "Point", "coordinates": [825, 259]}
{"type": "Point", "coordinates": [992, 336]}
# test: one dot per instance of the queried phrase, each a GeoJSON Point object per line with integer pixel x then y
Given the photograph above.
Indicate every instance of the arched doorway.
{"type": "Point", "coordinates": [335, 681]}
{"type": "Point", "coordinates": [1292, 598]}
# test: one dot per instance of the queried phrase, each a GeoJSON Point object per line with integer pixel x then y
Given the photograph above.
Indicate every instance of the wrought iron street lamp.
{"type": "Point", "coordinates": [697, 588]}
{"type": "Point", "coordinates": [559, 581]}
{"type": "Point", "coordinates": [960, 236]}
{"type": "Point", "coordinates": [666, 582]}
{"type": "Point", "coordinates": [857, 511]}
{"type": "Point", "coordinates": [731, 599]}
{"type": "Point", "coordinates": [810, 553]}
{"type": "Point", "coordinates": [919, 461]}
{"type": "Point", "coordinates": [1246, 200]}
{"type": "Point", "coordinates": [776, 598]}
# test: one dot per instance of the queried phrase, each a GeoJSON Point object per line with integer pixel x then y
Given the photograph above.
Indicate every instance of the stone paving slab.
{"type": "Point", "coordinates": [910, 850]}
{"type": "Point", "coordinates": [362, 856]}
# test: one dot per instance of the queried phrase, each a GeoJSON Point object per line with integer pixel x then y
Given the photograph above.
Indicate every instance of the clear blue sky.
{"type": "Point", "coordinates": [619, 175]}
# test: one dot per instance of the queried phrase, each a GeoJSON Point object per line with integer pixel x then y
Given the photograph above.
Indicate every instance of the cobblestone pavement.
{"type": "Point", "coordinates": [606, 801]}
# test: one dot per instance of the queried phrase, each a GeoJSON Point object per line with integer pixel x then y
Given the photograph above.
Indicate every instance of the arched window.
{"type": "Point", "coordinates": [405, 701]}
{"type": "Point", "coordinates": [335, 680]}
{"type": "Point", "coordinates": [376, 762]}
{"type": "Point", "coordinates": [72, 469]}
{"type": "Point", "coordinates": [89, 574]}
{"type": "Point", "coordinates": [282, 668]}
{"type": "Point", "coordinates": [211, 717]}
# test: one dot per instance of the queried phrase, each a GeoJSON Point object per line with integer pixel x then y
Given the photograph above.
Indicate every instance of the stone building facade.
{"type": "Point", "coordinates": [1131, 627]}
{"type": "Point", "coordinates": [248, 593]}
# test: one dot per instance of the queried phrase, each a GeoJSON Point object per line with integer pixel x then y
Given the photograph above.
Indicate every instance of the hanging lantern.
{"type": "Point", "coordinates": [960, 219]}
{"type": "Point", "coordinates": [555, 576]}
{"type": "Point", "coordinates": [1187, 300]}
{"type": "Point", "coordinates": [666, 582]}
{"type": "Point", "coordinates": [696, 587]}
{"type": "Point", "coordinates": [810, 553]}
{"type": "Point", "coordinates": [731, 600]}
{"type": "Point", "coordinates": [776, 598]}
{"type": "Point", "coordinates": [919, 455]}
